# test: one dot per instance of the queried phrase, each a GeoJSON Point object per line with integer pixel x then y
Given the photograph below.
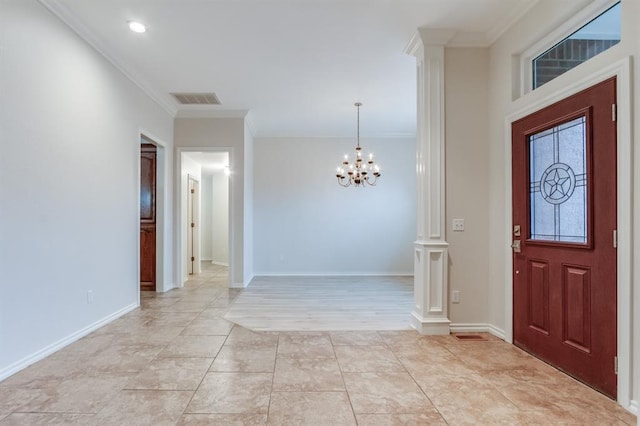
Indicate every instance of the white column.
{"type": "Point", "coordinates": [430, 311]}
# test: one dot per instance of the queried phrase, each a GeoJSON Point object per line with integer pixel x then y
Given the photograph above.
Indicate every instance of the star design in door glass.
{"type": "Point", "coordinates": [556, 185]}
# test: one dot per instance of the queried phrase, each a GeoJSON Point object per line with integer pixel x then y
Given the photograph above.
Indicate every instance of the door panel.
{"type": "Point", "coordinates": [539, 296]}
{"type": "Point", "coordinates": [564, 216]}
{"type": "Point", "coordinates": [577, 308]}
{"type": "Point", "coordinates": [148, 217]}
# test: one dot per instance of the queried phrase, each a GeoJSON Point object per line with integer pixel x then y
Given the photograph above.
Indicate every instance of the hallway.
{"type": "Point", "coordinates": [177, 361]}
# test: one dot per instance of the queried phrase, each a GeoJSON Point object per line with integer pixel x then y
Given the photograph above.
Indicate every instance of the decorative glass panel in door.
{"type": "Point", "coordinates": [558, 183]}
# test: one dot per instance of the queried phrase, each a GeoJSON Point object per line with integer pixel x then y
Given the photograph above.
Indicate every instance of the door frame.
{"type": "Point", "coordinates": [180, 254]}
{"type": "Point", "coordinates": [622, 71]}
{"type": "Point", "coordinates": [163, 242]}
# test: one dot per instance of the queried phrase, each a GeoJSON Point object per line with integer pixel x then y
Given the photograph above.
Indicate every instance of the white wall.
{"type": "Point", "coordinates": [202, 134]}
{"type": "Point", "coordinates": [305, 223]}
{"type": "Point", "coordinates": [248, 205]}
{"type": "Point", "coordinates": [467, 181]}
{"type": "Point", "coordinates": [69, 184]}
{"type": "Point", "coordinates": [215, 217]}
{"type": "Point", "coordinates": [546, 16]}
{"type": "Point", "coordinates": [220, 219]}
{"type": "Point", "coordinates": [207, 215]}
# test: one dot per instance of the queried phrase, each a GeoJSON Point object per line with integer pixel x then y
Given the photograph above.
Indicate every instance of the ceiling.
{"type": "Point", "coordinates": [296, 66]}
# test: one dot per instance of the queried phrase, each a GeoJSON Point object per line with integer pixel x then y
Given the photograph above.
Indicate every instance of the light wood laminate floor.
{"type": "Point", "coordinates": [177, 361]}
{"type": "Point", "coordinates": [324, 304]}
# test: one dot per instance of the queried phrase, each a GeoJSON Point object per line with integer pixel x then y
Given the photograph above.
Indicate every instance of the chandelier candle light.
{"type": "Point", "coordinates": [359, 172]}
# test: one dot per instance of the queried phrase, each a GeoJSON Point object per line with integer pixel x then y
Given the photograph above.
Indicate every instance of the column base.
{"type": "Point", "coordinates": [430, 326]}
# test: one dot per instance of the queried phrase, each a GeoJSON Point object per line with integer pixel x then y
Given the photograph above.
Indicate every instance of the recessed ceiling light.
{"type": "Point", "coordinates": [137, 27]}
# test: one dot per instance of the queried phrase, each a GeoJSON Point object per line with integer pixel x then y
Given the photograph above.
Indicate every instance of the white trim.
{"type": "Point", "coordinates": [56, 346]}
{"type": "Point", "coordinates": [477, 328]}
{"type": "Point", "coordinates": [566, 27]}
{"type": "Point", "coordinates": [622, 71]}
{"type": "Point", "coordinates": [164, 282]}
{"type": "Point", "coordinates": [214, 262]}
{"type": "Point", "coordinates": [238, 285]}
{"type": "Point", "coordinates": [65, 15]}
{"type": "Point", "coordinates": [502, 26]}
{"type": "Point", "coordinates": [481, 38]}
{"type": "Point", "coordinates": [634, 407]}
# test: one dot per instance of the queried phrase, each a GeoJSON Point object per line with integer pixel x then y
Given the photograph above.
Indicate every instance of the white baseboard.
{"type": "Point", "coordinates": [238, 285]}
{"type": "Point", "coordinates": [165, 289]}
{"type": "Point", "coordinates": [498, 332]}
{"type": "Point", "coordinates": [56, 346]}
{"type": "Point", "coordinates": [214, 262]}
{"type": "Point", "coordinates": [477, 328]}
{"type": "Point", "coordinates": [634, 407]}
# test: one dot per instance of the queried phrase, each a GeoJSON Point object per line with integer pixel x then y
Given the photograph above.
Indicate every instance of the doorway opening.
{"type": "Point", "coordinates": [205, 211]}
{"type": "Point", "coordinates": [152, 236]}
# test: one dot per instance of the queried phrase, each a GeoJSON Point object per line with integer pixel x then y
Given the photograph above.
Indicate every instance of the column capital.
{"type": "Point", "coordinates": [428, 37]}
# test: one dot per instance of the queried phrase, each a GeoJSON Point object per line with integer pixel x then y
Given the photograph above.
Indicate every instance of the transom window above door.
{"type": "Point", "coordinates": [589, 33]}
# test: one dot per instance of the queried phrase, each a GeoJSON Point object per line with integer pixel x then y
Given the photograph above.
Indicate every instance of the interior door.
{"type": "Point", "coordinates": [148, 217]}
{"type": "Point", "coordinates": [564, 236]}
{"type": "Point", "coordinates": [191, 224]}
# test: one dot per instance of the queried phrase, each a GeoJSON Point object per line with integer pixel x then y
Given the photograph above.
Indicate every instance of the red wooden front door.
{"type": "Point", "coordinates": [564, 217]}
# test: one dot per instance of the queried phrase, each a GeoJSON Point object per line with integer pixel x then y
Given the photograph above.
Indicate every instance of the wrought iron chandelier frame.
{"type": "Point", "coordinates": [360, 172]}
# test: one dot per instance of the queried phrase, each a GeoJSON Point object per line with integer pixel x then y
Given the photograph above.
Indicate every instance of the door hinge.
{"type": "Point", "coordinates": [615, 238]}
{"type": "Point", "coordinates": [193, 225]}
{"type": "Point", "coordinates": [193, 259]}
{"type": "Point", "coordinates": [615, 364]}
{"type": "Point", "coordinates": [614, 115]}
{"type": "Point", "coordinates": [193, 191]}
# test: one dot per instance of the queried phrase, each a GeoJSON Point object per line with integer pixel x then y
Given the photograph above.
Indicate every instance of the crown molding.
{"type": "Point", "coordinates": [452, 38]}
{"type": "Point", "coordinates": [509, 21]}
{"type": "Point", "coordinates": [428, 36]}
{"type": "Point", "coordinates": [67, 17]}
{"type": "Point", "coordinates": [248, 121]}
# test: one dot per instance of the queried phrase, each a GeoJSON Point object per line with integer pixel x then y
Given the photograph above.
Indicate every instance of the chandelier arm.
{"type": "Point", "coordinates": [340, 180]}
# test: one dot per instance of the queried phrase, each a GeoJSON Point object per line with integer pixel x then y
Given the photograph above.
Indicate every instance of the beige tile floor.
{"type": "Point", "coordinates": [176, 360]}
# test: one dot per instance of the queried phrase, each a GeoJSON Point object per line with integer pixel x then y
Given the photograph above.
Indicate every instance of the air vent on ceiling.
{"type": "Point", "coordinates": [197, 98]}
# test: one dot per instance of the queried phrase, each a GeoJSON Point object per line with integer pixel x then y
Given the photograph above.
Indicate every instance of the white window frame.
{"type": "Point", "coordinates": [568, 27]}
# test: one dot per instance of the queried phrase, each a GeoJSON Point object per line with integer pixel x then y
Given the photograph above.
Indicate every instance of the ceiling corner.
{"type": "Point", "coordinates": [509, 21]}
{"type": "Point", "coordinates": [67, 17]}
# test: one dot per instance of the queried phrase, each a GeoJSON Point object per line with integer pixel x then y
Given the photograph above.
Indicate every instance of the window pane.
{"type": "Point", "coordinates": [558, 183]}
{"type": "Point", "coordinates": [592, 39]}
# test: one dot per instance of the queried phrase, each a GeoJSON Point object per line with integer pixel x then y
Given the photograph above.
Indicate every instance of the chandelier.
{"type": "Point", "coordinates": [359, 172]}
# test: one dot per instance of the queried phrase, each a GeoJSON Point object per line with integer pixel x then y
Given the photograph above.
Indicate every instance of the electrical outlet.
{"type": "Point", "coordinates": [89, 296]}
{"type": "Point", "coordinates": [458, 225]}
{"type": "Point", "coordinates": [455, 296]}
